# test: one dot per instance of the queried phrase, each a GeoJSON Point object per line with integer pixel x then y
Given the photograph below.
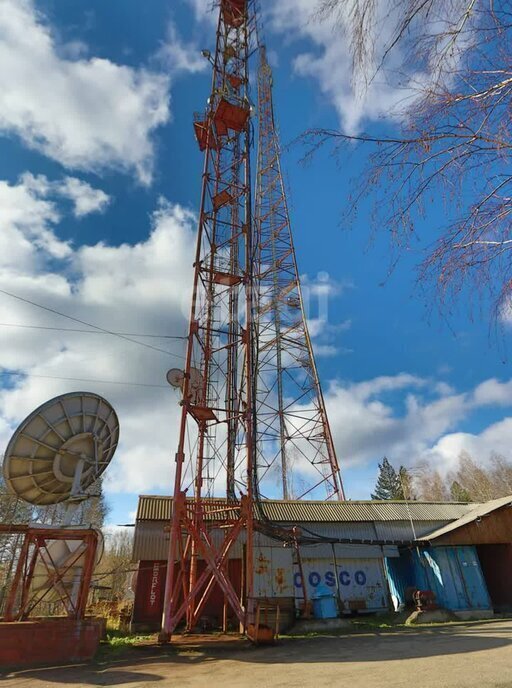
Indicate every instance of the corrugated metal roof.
{"type": "Point", "coordinates": [295, 512]}
{"type": "Point", "coordinates": [158, 508]}
{"type": "Point", "coordinates": [477, 511]}
{"type": "Point", "coordinates": [154, 508]}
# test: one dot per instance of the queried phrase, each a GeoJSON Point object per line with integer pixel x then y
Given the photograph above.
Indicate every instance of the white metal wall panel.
{"type": "Point", "coordinates": [359, 579]}
{"type": "Point", "coordinates": [358, 551]}
{"type": "Point", "coordinates": [282, 572]}
{"type": "Point", "coordinates": [390, 551]}
{"type": "Point", "coordinates": [273, 572]}
{"type": "Point", "coordinates": [324, 550]}
{"type": "Point", "coordinates": [262, 571]}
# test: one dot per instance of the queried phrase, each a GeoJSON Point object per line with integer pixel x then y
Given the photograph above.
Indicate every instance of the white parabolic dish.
{"type": "Point", "coordinates": [61, 448]}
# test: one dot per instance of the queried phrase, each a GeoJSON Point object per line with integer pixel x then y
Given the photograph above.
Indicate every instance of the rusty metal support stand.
{"type": "Point", "coordinates": [22, 599]}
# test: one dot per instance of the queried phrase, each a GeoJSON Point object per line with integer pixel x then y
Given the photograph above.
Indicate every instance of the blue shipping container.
{"type": "Point", "coordinates": [454, 575]}
{"type": "Point", "coordinates": [400, 575]}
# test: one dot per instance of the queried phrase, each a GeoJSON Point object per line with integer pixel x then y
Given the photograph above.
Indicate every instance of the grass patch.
{"type": "Point", "coordinates": [379, 621]}
{"type": "Point", "coordinates": [389, 623]}
{"type": "Point", "coordinates": [116, 642]}
{"type": "Point", "coordinates": [122, 640]}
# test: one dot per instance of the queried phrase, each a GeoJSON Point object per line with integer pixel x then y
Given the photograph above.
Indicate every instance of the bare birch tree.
{"type": "Point", "coordinates": [454, 141]}
{"type": "Point", "coordinates": [471, 480]}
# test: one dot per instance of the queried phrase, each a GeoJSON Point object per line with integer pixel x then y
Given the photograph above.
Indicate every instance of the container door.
{"type": "Point", "coordinates": [476, 588]}
{"type": "Point", "coordinates": [454, 588]}
{"type": "Point", "coordinates": [400, 575]}
{"type": "Point", "coordinates": [149, 593]}
{"type": "Point", "coordinates": [362, 583]}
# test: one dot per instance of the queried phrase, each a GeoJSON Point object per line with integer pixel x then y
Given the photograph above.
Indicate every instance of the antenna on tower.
{"type": "Point", "coordinates": [294, 438]}
{"type": "Point", "coordinates": [216, 433]}
{"type": "Point", "coordinates": [251, 400]}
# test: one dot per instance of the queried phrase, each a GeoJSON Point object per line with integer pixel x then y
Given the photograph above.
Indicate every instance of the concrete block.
{"type": "Point", "coordinates": [433, 616]}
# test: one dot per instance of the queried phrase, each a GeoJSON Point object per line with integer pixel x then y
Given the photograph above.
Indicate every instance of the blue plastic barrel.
{"type": "Point", "coordinates": [324, 603]}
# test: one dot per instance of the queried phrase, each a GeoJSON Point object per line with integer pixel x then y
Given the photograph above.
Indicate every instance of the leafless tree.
{"type": "Point", "coordinates": [428, 483]}
{"type": "Point", "coordinates": [116, 568]}
{"type": "Point", "coordinates": [483, 482]}
{"type": "Point", "coordinates": [471, 480]}
{"type": "Point", "coordinates": [454, 140]}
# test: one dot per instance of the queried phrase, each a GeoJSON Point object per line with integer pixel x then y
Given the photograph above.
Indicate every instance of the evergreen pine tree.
{"type": "Point", "coordinates": [388, 483]}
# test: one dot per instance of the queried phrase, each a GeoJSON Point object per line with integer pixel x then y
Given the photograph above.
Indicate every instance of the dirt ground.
{"type": "Point", "coordinates": [453, 656]}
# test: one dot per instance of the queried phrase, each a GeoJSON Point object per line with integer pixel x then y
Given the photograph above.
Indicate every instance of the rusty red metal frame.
{"type": "Point", "coordinates": [259, 398]}
{"type": "Point", "coordinates": [220, 417]}
{"type": "Point", "coordinates": [21, 601]}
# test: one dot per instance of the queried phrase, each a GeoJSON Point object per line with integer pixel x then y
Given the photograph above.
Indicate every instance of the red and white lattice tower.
{"type": "Point", "coordinates": [293, 438]}
{"type": "Point", "coordinates": [218, 414]}
{"type": "Point", "coordinates": [251, 399]}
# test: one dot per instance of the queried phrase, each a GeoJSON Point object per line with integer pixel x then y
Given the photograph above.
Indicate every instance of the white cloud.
{"type": "Point", "coordinates": [329, 63]}
{"type": "Point", "coordinates": [86, 113]}
{"type": "Point", "coordinates": [144, 287]}
{"type": "Point", "coordinates": [495, 439]}
{"type": "Point", "coordinates": [493, 392]}
{"type": "Point", "coordinates": [28, 216]}
{"type": "Point", "coordinates": [26, 234]}
{"type": "Point", "coordinates": [205, 11]}
{"type": "Point", "coordinates": [328, 350]}
{"type": "Point", "coordinates": [84, 197]}
{"type": "Point", "coordinates": [316, 294]}
{"type": "Point", "coordinates": [179, 56]}
{"type": "Point", "coordinates": [366, 427]}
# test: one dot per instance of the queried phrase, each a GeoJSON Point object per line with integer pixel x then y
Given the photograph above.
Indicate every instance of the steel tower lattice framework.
{"type": "Point", "coordinates": [217, 420]}
{"type": "Point", "coordinates": [294, 438]}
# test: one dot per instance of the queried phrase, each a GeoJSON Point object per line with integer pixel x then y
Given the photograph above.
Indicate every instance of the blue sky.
{"type": "Point", "coordinates": [99, 184]}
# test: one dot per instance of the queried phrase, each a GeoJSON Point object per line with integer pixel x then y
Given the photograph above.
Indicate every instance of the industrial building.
{"type": "Point", "coordinates": [370, 554]}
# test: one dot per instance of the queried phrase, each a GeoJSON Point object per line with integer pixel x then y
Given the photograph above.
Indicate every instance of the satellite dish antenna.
{"type": "Point", "coordinates": [61, 448]}
{"type": "Point", "coordinates": [175, 377]}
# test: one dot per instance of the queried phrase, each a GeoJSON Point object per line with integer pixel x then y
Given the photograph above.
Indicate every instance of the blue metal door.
{"type": "Point", "coordinates": [454, 575]}
{"type": "Point", "coordinates": [476, 589]}
{"type": "Point", "coordinates": [455, 587]}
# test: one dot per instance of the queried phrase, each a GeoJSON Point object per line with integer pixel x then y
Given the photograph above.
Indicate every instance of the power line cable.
{"type": "Point", "coordinates": [87, 324]}
{"type": "Point", "coordinates": [74, 329]}
{"type": "Point", "coordinates": [84, 379]}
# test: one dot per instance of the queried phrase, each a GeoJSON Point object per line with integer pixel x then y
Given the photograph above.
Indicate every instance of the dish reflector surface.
{"type": "Point", "coordinates": [175, 377]}
{"type": "Point", "coordinates": [61, 448]}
